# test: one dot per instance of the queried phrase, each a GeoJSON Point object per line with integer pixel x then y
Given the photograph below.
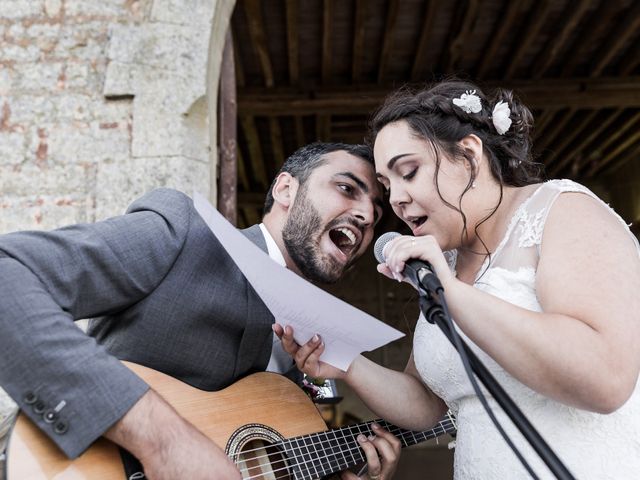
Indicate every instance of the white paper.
{"type": "Point", "coordinates": [345, 330]}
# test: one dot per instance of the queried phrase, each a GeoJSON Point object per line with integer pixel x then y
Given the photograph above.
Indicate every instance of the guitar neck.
{"type": "Point", "coordinates": [324, 453]}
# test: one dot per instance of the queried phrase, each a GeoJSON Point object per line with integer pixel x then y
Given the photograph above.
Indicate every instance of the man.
{"type": "Point", "coordinates": [164, 293]}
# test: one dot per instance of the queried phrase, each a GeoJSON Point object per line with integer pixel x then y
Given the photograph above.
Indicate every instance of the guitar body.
{"type": "Point", "coordinates": [261, 408]}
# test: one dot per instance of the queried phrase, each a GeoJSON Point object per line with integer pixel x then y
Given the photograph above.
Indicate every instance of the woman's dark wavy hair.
{"type": "Point", "coordinates": [432, 116]}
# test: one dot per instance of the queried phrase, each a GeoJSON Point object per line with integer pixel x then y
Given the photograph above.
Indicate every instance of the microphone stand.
{"type": "Point", "coordinates": [434, 308]}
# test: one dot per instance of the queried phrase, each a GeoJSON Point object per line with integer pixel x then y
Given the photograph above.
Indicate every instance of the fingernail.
{"type": "Point", "coordinates": [362, 438]}
{"type": "Point", "coordinates": [316, 338]}
{"type": "Point", "coordinates": [273, 327]}
{"type": "Point", "coordinates": [372, 437]}
{"type": "Point", "coordinates": [287, 330]}
{"type": "Point", "coordinates": [375, 426]}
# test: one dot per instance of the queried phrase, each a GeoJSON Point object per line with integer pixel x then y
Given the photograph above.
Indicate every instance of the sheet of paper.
{"type": "Point", "coordinates": [345, 330]}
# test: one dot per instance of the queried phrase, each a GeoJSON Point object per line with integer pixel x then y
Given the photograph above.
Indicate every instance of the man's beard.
{"type": "Point", "coordinates": [301, 236]}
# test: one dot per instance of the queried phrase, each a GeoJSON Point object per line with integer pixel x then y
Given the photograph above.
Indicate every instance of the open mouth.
{"type": "Point", "coordinates": [416, 222]}
{"type": "Point", "coordinates": [345, 239]}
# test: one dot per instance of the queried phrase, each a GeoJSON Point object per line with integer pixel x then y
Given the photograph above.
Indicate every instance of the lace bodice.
{"type": "Point", "coordinates": [591, 445]}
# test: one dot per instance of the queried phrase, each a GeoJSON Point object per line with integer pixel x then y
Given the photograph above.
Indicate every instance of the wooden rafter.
{"type": "Point", "coordinates": [631, 60]}
{"type": "Point", "coordinates": [259, 38]}
{"type": "Point", "coordinates": [615, 42]}
{"type": "Point", "coordinates": [593, 134]}
{"type": "Point", "coordinates": [624, 143]}
{"type": "Point", "coordinates": [552, 133]}
{"type": "Point", "coordinates": [566, 141]}
{"type": "Point", "coordinates": [602, 16]}
{"type": "Point", "coordinates": [299, 126]}
{"type": "Point", "coordinates": [323, 128]}
{"type": "Point", "coordinates": [358, 40]}
{"type": "Point", "coordinates": [292, 41]}
{"type": "Point", "coordinates": [389, 34]}
{"type": "Point", "coordinates": [417, 68]}
{"type": "Point", "coordinates": [243, 179]}
{"type": "Point", "coordinates": [461, 39]}
{"type": "Point", "coordinates": [255, 149]}
{"type": "Point", "coordinates": [276, 142]}
{"type": "Point", "coordinates": [547, 94]}
{"type": "Point", "coordinates": [573, 15]}
{"type": "Point", "coordinates": [327, 35]}
{"type": "Point", "coordinates": [530, 33]}
{"type": "Point", "coordinates": [542, 121]}
{"type": "Point", "coordinates": [503, 24]}
{"type": "Point", "coordinates": [630, 155]}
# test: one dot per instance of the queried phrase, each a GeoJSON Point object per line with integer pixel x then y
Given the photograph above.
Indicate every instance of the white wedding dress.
{"type": "Point", "coordinates": [591, 445]}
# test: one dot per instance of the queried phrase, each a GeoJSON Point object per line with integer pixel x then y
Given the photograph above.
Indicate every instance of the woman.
{"type": "Point", "coordinates": [541, 279]}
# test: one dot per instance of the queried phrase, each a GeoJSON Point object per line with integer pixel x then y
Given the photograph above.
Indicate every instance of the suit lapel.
{"type": "Point", "coordinates": [257, 338]}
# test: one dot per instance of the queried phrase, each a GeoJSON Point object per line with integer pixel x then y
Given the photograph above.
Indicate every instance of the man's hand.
{"type": "Point", "coordinates": [383, 453]}
{"type": "Point", "coordinates": [167, 445]}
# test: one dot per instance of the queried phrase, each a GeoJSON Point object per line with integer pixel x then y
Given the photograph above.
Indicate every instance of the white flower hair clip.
{"type": "Point", "coordinates": [469, 102]}
{"type": "Point", "coordinates": [500, 117]}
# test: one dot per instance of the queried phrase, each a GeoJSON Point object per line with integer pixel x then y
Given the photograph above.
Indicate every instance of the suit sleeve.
{"type": "Point", "coordinates": [69, 386]}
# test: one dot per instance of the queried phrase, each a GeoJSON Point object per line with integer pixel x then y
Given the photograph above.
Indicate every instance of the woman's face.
{"type": "Point", "coordinates": [406, 167]}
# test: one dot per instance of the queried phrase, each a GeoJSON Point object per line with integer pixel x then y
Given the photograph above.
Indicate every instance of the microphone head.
{"type": "Point", "coordinates": [378, 248]}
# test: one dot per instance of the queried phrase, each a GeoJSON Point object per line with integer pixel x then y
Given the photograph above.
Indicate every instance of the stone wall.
{"type": "Point", "coordinates": [101, 101]}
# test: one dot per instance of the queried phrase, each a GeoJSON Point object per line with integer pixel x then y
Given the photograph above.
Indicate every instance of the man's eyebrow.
{"type": "Point", "coordinates": [363, 186]}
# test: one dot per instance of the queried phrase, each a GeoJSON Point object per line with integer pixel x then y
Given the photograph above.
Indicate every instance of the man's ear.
{"type": "Point", "coordinates": [472, 146]}
{"type": "Point", "coordinates": [284, 190]}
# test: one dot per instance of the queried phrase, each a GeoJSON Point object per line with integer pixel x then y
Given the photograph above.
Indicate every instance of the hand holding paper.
{"type": "Point", "coordinates": [345, 330]}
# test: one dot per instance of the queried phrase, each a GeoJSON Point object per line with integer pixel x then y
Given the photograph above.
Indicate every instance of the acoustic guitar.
{"type": "Point", "coordinates": [265, 423]}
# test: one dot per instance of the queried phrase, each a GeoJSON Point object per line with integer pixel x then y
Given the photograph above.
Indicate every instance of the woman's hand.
{"type": "Point", "coordinates": [382, 451]}
{"type": "Point", "coordinates": [307, 356]}
{"type": "Point", "coordinates": [403, 248]}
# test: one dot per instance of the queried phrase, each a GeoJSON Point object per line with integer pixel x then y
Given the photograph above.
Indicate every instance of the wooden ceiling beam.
{"type": "Point", "coordinates": [387, 43]}
{"type": "Point", "coordinates": [292, 41]}
{"type": "Point", "coordinates": [461, 39]}
{"type": "Point", "coordinates": [557, 150]}
{"type": "Point", "coordinates": [259, 38]}
{"type": "Point", "coordinates": [541, 122]}
{"type": "Point", "coordinates": [299, 128]}
{"type": "Point", "coordinates": [626, 142]}
{"type": "Point", "coordinates": [616, 41]}
{"type": "Point", "coordinates": [631, 60]}
{"type": "Point", "coordinates": [593, 134]}
{"type": "Point", "coordinates": [417, 69]}
{"type": "Point", "coordinates": [323, 127]}
{"type": "Point", "coordinates": [574, 14]}
{"type": "Point", "coordinates": [548, 94]}
{"type": "Point", "coordinates": [255, 150]}
{"type": "Point", "coordinates": [503, 24]}
{"type": "Point", "coordinates": [529, 34]}
{"type": "Point", "coordinates": [276, 142]}
{"type": "Point", "coordinates": [631, 155]}
{"type": "Point", "coordinates": [327, 23]}
{"type": "Point", "coordinates": [557, 126]}
{"type": "Point", "coordinates": [602, 16]}
{"type": "Point", "coordinates": [358, 40]}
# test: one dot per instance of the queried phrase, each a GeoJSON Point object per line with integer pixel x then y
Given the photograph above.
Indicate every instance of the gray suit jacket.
{"type": "Point", "coordinates": [162, 292]}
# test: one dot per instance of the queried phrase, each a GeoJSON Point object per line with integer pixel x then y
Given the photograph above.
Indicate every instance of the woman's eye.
{"type": "Point", "coordinates": [410, 175]}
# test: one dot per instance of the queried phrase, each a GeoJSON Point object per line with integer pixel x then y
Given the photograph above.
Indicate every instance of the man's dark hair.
{"type": "Point", "coordinates": [305, 160]}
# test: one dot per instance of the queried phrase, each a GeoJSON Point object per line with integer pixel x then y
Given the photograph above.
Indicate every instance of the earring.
{"type": "Point", "coordinates": [473, 184]}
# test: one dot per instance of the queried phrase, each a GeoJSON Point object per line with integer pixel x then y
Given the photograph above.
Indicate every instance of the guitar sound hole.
{"type": "Point", "coordinates": [260, 460]}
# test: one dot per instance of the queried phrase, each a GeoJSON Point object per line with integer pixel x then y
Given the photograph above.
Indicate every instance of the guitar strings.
{"type": "Point", "coordinates": [310, 462]}
{"type": "Point", "coordinates": [446, 425]}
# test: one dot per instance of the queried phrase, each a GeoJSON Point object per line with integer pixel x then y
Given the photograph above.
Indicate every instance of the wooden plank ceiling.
{"type": "Point", "coordinates": [311, 70]}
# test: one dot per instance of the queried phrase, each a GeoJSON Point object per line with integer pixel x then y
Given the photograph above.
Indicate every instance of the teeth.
{"type": "Point", "coordinates": [349, 234]}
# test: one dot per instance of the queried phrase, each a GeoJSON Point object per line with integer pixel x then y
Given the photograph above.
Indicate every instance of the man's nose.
{"type": "Point", "coordinates": [365, 212]}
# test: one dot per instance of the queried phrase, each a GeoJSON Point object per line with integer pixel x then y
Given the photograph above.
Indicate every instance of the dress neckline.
{"type": "Point", "coordinates": [507, 233]}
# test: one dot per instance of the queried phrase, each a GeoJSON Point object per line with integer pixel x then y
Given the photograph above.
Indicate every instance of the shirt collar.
{"type": "Point", "coordinates": [272, 247]}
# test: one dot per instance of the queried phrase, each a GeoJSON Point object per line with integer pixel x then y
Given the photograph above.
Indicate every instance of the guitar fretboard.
{"type": "Point", "coordinates": [324, 453]}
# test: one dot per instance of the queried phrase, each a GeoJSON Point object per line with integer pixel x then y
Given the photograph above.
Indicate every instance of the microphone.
{"type": "Point", "coordinates": [418, 272]}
